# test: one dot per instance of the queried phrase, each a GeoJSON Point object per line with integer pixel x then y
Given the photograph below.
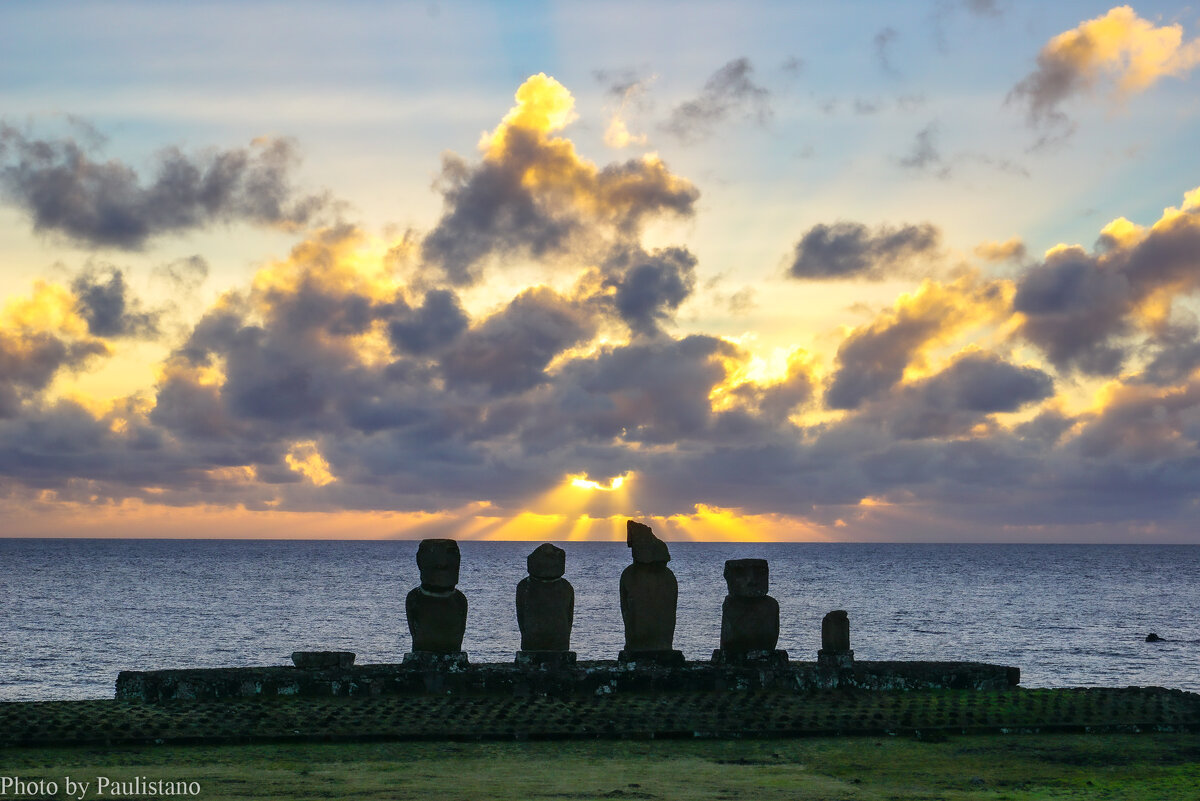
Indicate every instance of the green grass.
{"type": "Point", "coordinates": [1154, 767]}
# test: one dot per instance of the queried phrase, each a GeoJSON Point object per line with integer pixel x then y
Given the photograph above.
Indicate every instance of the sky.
{"type": "Point", "coordinates": [867, 271]}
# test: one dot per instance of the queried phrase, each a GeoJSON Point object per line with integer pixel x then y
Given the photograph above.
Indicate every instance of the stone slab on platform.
{"type": "Point", "coordinates": [585, 678]}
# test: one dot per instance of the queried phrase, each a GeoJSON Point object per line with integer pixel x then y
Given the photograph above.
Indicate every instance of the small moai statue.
{"type": "Point", "coordinates": [545, 610]}
{"type": "Point", "coordinates": [749, 617]}
{"type": "Point", "coordinates": [835, 641]}
{"type": "Point", "coordinates": [649, 595]}
{"type": "Point", "coordinates": [437, 612]}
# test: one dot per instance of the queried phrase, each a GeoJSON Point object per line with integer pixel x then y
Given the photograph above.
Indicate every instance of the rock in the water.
{"type": "Point", "coordinates": [437, 612]}
{"type": "Point", "coordinates": [545, 602]}
{"type": "Point", "coordinates": [649, 593]}
{"type": "Point", "coordinates": [749, 617]}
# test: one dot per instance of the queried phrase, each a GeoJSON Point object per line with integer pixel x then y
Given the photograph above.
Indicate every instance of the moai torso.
{"type": "Point", "coordinates": [649, 593]}
{"type": "Point", "coordinates": [749, 617]}
{"type": "Point", "coordinates": [437, 612]}
{"type": "Point", "coordinates": [545, 602]}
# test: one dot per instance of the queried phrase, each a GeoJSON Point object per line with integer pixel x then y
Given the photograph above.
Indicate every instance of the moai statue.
{"type": "Point", "coordinates": [835, 641]}
{"type": "Point", "coordinates": [749, 617]}
{"type": "Point", "coordinates": [545, 609]}
{"type": "Point", "coordinates": [437, 612]}
{"type": "Point", "coordinates": [649, 594]}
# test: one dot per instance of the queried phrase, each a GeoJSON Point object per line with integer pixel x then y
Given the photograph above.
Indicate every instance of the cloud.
{"type": "Point", "coordinates": [1080, 308]}
{"type": "Point", "coordinates": [339, 379]}
{"type": "Point", "coordinates": [509, 351]}
{"type": "Point", "coordinates": [1011, 249]}
{"type": "Point", "coordinates": [872, 359]}
{"type": "Point", "coordinates": [1119, 48]}
{"type": "Point", "coordinates": [66, 190]}
{"type": "Point", "coordinates": [650, 286]}
{"type": "Point", "coordinates": [533, 196]}
{"type": "Point", "coordinates": [629, 89]}
{"type": "Point", "coordinates": [883, 42]}
{"type": "Point", "coordinates": [438, 321]}
{"type": "Point", "coordinates": [852, 250]}
{"type": "Point", "coordinates": [184, 275]}
{"type": "Point", "coordinates": [729, 91]}
{"type": "Point", "coordinates": [957, 399]}
{"type": "Point", "coordinates": [924, 154]}
{"type": "Point", "coordinates": [104, 301]}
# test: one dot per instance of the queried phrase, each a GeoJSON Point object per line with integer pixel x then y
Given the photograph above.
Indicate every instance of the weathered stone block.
{"type": "Point", "coordinates": [309, 660]}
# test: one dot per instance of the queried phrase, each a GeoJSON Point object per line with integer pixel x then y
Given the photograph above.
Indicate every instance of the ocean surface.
{"type": "Point", "coordinates": [75, 612]}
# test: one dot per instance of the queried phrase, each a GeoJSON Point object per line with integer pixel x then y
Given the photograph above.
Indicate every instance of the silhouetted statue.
{"type": "Point", "coordinates": [835, 640]}
{"type": "Point", "coordinates": [437, 612]}
{"type": "Point", "coordinates": [749, 617]}
{"type": "Point", "coordinates": [545, 608]}
{"type": "Point", "coordinates": [649, 594]}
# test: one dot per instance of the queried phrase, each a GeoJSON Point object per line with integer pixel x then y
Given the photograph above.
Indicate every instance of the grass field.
{"type": "Point", "coordinates": [1154, 767]}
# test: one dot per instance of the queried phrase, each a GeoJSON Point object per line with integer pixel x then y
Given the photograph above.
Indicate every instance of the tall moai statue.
{"type": "Point", "coordinates": [649, 595]}
{"type": "Point", "coordinates": [749, 617]}
{"type": "Point", "coordinates": [545, 609]}
{"type": "Point", "coordinates": [835, 641]}
{"type": "Point", "coordinates": [437, 612]}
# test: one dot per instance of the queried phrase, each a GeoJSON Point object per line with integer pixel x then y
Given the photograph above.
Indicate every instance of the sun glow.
{"type": "Point", "coordinates": [581, 481]}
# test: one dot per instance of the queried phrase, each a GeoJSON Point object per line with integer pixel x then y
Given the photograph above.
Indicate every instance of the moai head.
{"type": "Point", "coordinates": [547, 562]}
{"type": "Point", "coordinates": [438, 562]}
{"type": "Point", "coordinates": [647, 548]}
{"type": "Point", "coordinates": [835, 631]}
{"type": "Point", "coordinates": [747, 578]}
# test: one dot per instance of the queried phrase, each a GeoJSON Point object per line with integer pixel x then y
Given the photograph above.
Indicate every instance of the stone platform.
{"type": "Point", "coordinates": [582, 679]}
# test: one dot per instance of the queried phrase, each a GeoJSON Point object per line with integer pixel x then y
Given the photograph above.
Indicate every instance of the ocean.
{"type": "Point", "coordinates": [75, 612]}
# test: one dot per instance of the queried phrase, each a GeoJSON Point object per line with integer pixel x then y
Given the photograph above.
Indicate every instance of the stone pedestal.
{"type": "Point", "coordinates": [437, 660]}
{"type": "Point", "coordinates": [750, 658]}
{"type": "Point", "coordinates": [654, 658]}
{"type": "Point", "coordinates": [318, 660]}
{"type": "Point", "coordinates": [837, 660]}
{"type": "Point", "coordinates": [548, 660]}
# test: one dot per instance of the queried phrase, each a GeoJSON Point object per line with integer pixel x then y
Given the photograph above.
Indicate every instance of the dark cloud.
{"type": "Point", "coordinates": [435, 323]}
{"type": "Point", "coordinates": [873, 357]}
{"type": "Point", "coordinates": [66, 189]}
{"type": "Point", "coordinates": [883, 41]}
{"type": "Point", "coordinates": [509, 351]}
{"type": "Point", "coordinates": [650, 286]}
{"type": "Point", "coordinates": [729, 91]}
{"type": "Point", "coordinates": [851, 250]}
{"type": "Point", "coordinates": [29, 360]}
{"type": "Point", "coordinates": [1119, 47]}
{"type": "Point", "coordinates": [962, 395]}
{"type": "Point", "coordinates": [103, 299]}
{"type": "Point", "coordinates": [1080, 307]}
{"type": "Point", "coordinates": [498, 208]}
